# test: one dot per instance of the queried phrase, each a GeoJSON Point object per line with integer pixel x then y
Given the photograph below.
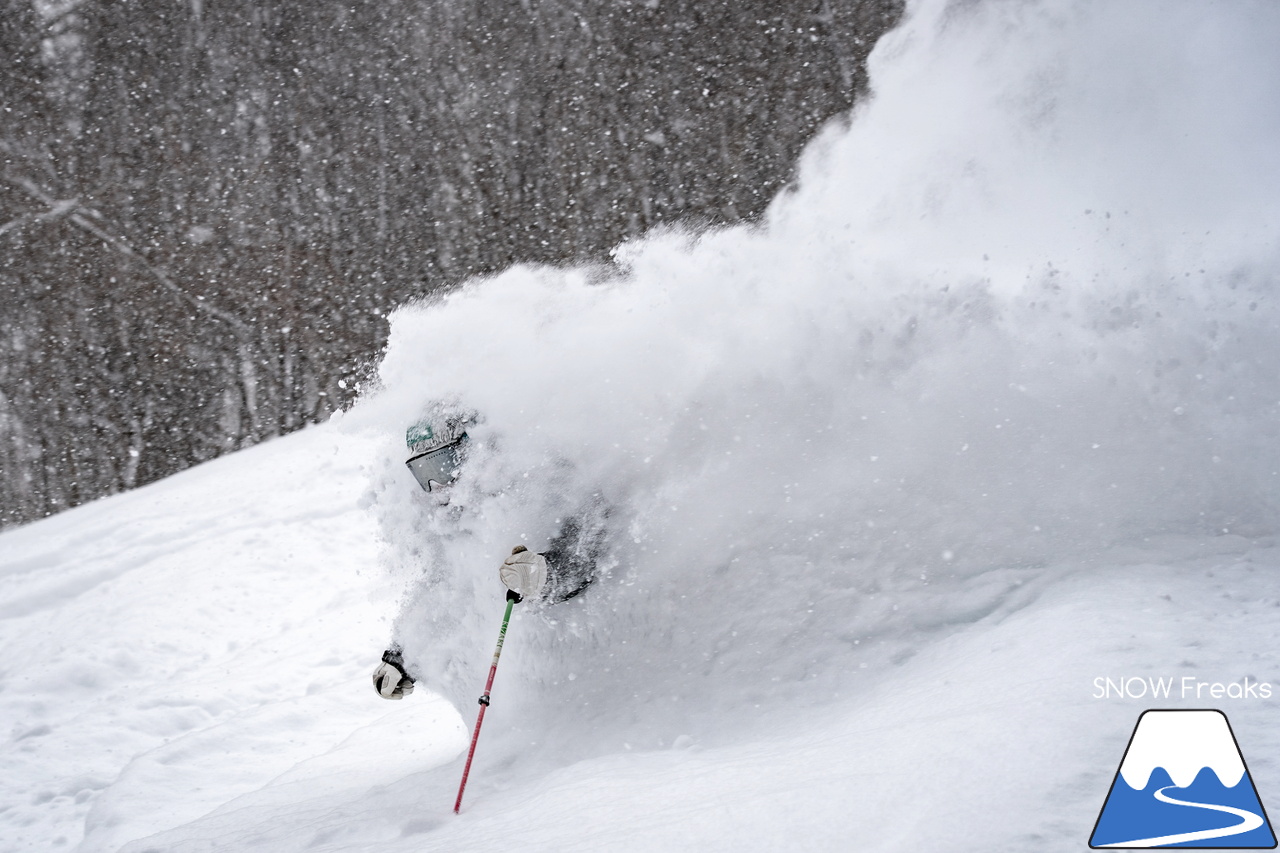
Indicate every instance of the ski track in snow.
{"type": "Point", "coordinates": [986, 409]}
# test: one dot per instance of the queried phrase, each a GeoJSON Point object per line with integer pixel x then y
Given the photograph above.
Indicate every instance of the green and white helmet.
{"type": "Point", "coordinates": [436, 449]}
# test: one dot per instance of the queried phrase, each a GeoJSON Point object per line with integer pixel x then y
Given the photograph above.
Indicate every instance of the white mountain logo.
{"type": "Point", "coordinates": [1183, 783]}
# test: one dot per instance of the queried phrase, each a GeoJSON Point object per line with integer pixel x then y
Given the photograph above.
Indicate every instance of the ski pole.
{"type": "Point", "coordinates": [484, 701]}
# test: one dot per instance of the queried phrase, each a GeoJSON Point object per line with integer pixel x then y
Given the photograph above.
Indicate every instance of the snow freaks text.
{"type": "Point", "coordinates": [1186, 687]}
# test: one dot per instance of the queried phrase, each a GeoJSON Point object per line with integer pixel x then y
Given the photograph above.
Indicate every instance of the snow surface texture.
{"type": "Point", "coordinates": [985, 410]}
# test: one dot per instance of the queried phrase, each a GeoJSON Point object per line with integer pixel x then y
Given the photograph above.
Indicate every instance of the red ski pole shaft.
{"type": "Point", "coordinates": [484, 703]}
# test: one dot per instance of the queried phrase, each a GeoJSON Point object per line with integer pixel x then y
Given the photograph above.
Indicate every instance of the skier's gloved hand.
{"type": "Point", "coordinates": [524, 572]}
{"type": "Point", "coordinates": [390, 679]}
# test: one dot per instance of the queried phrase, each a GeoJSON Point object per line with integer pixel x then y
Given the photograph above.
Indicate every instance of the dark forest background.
{"type": "Point", "coordinates": [208, 207]}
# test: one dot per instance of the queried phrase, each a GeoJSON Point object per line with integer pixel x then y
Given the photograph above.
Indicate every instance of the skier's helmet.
{"type": "Point", "coordinates": [436, 448]}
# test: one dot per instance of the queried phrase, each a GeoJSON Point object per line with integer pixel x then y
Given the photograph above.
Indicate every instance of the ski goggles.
{"type": "Point", "coordinates": [439, 465]}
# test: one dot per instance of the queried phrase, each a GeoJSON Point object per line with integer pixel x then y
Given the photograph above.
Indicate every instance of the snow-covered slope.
{"type": "Point", "coordinates": [985, 411]}
{"type": "Point", "coordinates": [183, 671]}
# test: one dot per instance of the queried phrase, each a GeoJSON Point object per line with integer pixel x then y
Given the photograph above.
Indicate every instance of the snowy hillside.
{"type": "Point", "coordinates": [986, 411]}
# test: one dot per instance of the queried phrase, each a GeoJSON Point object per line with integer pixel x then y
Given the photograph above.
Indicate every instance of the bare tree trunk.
{"type": "Point", "coordinates": [207, 209]}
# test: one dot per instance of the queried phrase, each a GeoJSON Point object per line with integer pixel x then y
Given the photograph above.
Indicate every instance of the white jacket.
{"type": "Point", "coordinates": [525, 573]}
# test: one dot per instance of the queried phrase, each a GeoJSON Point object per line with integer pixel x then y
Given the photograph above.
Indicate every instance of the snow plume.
{"type": "Point", "coordinates": [1022, 305]}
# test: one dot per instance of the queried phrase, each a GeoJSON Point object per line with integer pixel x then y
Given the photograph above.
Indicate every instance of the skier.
{"type": "Point", "coordinates": [567, 567]}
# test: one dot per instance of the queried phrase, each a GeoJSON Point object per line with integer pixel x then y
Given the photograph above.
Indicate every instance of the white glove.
{"type": "Point", "coordinates": [390, 679]}
{"type": "Point", "coordinates": [524, 572]}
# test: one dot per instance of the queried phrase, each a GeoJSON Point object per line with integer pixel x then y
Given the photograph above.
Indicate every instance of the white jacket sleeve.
{"type": "Point", "coordinates": [525, 573]}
